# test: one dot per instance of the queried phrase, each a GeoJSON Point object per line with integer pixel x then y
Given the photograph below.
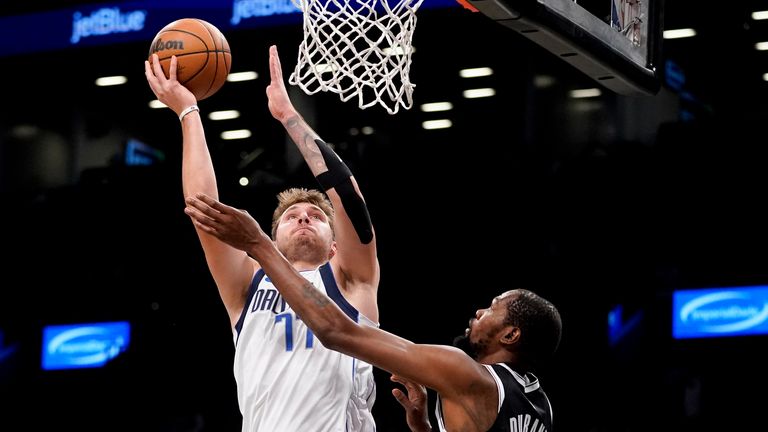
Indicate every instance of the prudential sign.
{"type": "Point", "coordinates": [720, 312]}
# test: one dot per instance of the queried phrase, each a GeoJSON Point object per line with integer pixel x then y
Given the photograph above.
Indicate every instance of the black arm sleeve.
{"type": "Point", "coordinates": [339, 177]}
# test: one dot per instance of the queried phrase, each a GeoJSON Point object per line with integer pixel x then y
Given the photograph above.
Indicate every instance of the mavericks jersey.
{"type": "Point", "coordinates": [287, 381]}
{"type": "Point", "coordinates": [523, 405]}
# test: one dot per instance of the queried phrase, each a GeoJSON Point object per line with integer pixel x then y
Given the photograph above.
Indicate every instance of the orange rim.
{"type": "Point", "coordinates": [466, 5]}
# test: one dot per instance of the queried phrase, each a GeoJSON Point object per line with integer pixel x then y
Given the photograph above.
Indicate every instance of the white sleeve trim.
{"type": "Point", "coordinates": [499, 386]}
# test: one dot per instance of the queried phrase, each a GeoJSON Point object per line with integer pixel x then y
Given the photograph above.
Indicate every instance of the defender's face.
{"type": "Point", "coordinates": [488, 322]}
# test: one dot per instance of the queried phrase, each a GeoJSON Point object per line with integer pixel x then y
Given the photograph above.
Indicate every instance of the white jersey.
{"type": "Point", "coordinates": [287, 381]}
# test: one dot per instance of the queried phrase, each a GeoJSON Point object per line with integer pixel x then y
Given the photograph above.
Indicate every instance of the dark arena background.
{"type": "Point", "coordinates": [609, 206]}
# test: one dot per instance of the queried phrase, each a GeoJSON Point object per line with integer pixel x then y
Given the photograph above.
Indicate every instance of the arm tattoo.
{"type": "Point", "coordinates": [305, 141]}
{"type": "Point", "coordinates": [309, 291]}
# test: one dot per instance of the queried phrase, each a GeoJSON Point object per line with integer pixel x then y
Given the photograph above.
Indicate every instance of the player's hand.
{"type": "Point", "coordinates": [414, 403]}
{"type": "Point", "coordinates": [279, 103]}
{"type": "Point", "coordinates": [168, 90]}
{"type": "Point", "coordinates": [233, 226]}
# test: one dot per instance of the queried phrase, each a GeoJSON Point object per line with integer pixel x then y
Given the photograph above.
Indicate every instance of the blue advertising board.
{"type": "Point", "coordinates": [83, 345]}
{"type": "Point", "coordinates": [733, 311]}
{"type": "Point", "coordinates": [126, 21]}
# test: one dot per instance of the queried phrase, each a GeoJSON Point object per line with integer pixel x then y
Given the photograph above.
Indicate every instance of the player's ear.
{"type": "Point", "coordinates": [332, 253]}
{"type": "Point", "coordinates": [510, 335]}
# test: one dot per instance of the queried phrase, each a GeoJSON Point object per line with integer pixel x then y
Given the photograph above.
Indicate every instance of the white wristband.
{"type": "Point", "coordinates": [188, 110]}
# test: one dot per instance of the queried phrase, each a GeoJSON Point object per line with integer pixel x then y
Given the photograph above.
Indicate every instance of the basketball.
{"type": "Point", "coordinates": [203, 55]}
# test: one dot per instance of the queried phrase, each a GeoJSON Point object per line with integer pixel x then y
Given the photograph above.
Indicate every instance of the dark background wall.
{"type": "Point", "coordinates": [614, 200]}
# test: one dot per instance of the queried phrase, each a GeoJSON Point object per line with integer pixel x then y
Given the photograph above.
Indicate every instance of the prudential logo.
{"type": "Point", "coordinates": [83, 345]}
{"type": "Point", "coordinates": [720, 312]}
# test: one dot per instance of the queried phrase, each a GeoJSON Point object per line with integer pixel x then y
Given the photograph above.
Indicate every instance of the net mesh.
{"type": "Point", "coordinates": [358, 49]}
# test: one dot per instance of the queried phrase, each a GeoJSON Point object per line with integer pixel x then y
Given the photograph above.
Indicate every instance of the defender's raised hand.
{"type": "Point", "coordinates": [233, 226]}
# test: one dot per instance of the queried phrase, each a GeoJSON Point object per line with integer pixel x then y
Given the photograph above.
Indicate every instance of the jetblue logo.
{"type": "Point", "coordinates": [244, 9]}
{"type": "Point", "coordinates": [83, 345]}
{"type": "Point", "coordinates": [721, 312]}
{"type": "Point", "coordinates": [106, 21]}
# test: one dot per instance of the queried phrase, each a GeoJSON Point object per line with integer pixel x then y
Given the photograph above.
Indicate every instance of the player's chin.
{"type": "Point", "coordinates": [464, 343]}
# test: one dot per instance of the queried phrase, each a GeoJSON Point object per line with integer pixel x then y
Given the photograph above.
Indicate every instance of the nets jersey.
{"type": "Point", "coordinates": [523, 405]}
{"type": "Point", "coordinates": [287, 381]}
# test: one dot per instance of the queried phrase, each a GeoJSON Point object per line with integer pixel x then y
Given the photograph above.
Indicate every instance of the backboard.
{"type": "Point", "coordinates": [620, 51]}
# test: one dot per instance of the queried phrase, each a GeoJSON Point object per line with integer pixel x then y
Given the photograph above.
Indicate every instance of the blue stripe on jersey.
{"type": "Point", "coordinates": [334, 293]}
{"type": "Point", "coordinates": [331, 288]}
{"type": "Point", "coordinates": [251, 292]}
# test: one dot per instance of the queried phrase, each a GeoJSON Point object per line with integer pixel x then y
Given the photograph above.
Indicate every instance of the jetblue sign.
{"type": "Point", "coordinates": [720, 312]}
{"type": "Point", "coordinates": [83, 345]}
{"type": "Point", "coordinates": [106, 21]}
{"type": "Point", "coordinates": [244, 9]}
{"type": "Point", "coordinates": [130, 21]}
{"type": "Point", "coordinates": [140, 20]}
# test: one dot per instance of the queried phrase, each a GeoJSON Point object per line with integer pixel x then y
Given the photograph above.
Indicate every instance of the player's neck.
{"type": "Point", "coordinates": [500, 356]}
{"type": "Point", "coordinates": [302, 265]}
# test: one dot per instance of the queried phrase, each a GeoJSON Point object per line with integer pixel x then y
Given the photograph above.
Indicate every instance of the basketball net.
{"type": "Point", "coordinates": [358, 48]}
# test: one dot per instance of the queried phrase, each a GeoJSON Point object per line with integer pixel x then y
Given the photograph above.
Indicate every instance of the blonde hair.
{"type": "Point", "coordinates": [292, 196]}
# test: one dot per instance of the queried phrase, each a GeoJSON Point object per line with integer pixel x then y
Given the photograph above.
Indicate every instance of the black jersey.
{"type": "Point", "coordinates": [523, 405]}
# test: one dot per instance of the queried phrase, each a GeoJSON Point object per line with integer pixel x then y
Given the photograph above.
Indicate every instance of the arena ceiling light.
{"type": "Point", "coordinates": [242, 76]}
{"type": "Point", "coordinates": [156, 104]}
{"type": "Point", "coordinates": [475, 72]}
{"type": "Point", "coordinates": [224, 115]}
{"type": "Point", "coordinates": [679, 33]}
{"type": "Point", "coordinates": [437, 124]}
{"type": "Point", "coordinates": [235, 134]}
{"type": "Point", "coordinates": [478, 93]}
{"type": "Point", "coordinates": [436, 106]}
{"type": "Point", "coordinates": [584, 93]}
{"type": "Point", "coordinates": [111, 80]}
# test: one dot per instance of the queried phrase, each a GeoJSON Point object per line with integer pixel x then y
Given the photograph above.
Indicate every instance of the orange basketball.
{"type": "Point", "coordinates": [203, 55]}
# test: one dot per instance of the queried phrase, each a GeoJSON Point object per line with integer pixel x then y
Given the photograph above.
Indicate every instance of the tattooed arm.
{"type": "Point", "coordinates": [355, 263]}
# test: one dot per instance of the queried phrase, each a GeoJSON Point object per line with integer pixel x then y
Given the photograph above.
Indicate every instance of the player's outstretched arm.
{"type": "Point", "coordinates": [448, 370]}
{"type": "Point", "coordinates": [355, 236]}
{"type": "Point", "coordinates": [231, 269]}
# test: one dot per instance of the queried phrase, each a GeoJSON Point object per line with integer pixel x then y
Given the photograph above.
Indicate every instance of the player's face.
{"type": "Point", "coordinates": [485, 327]}
{"type": "Point", "coordinates": [304, 224]}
